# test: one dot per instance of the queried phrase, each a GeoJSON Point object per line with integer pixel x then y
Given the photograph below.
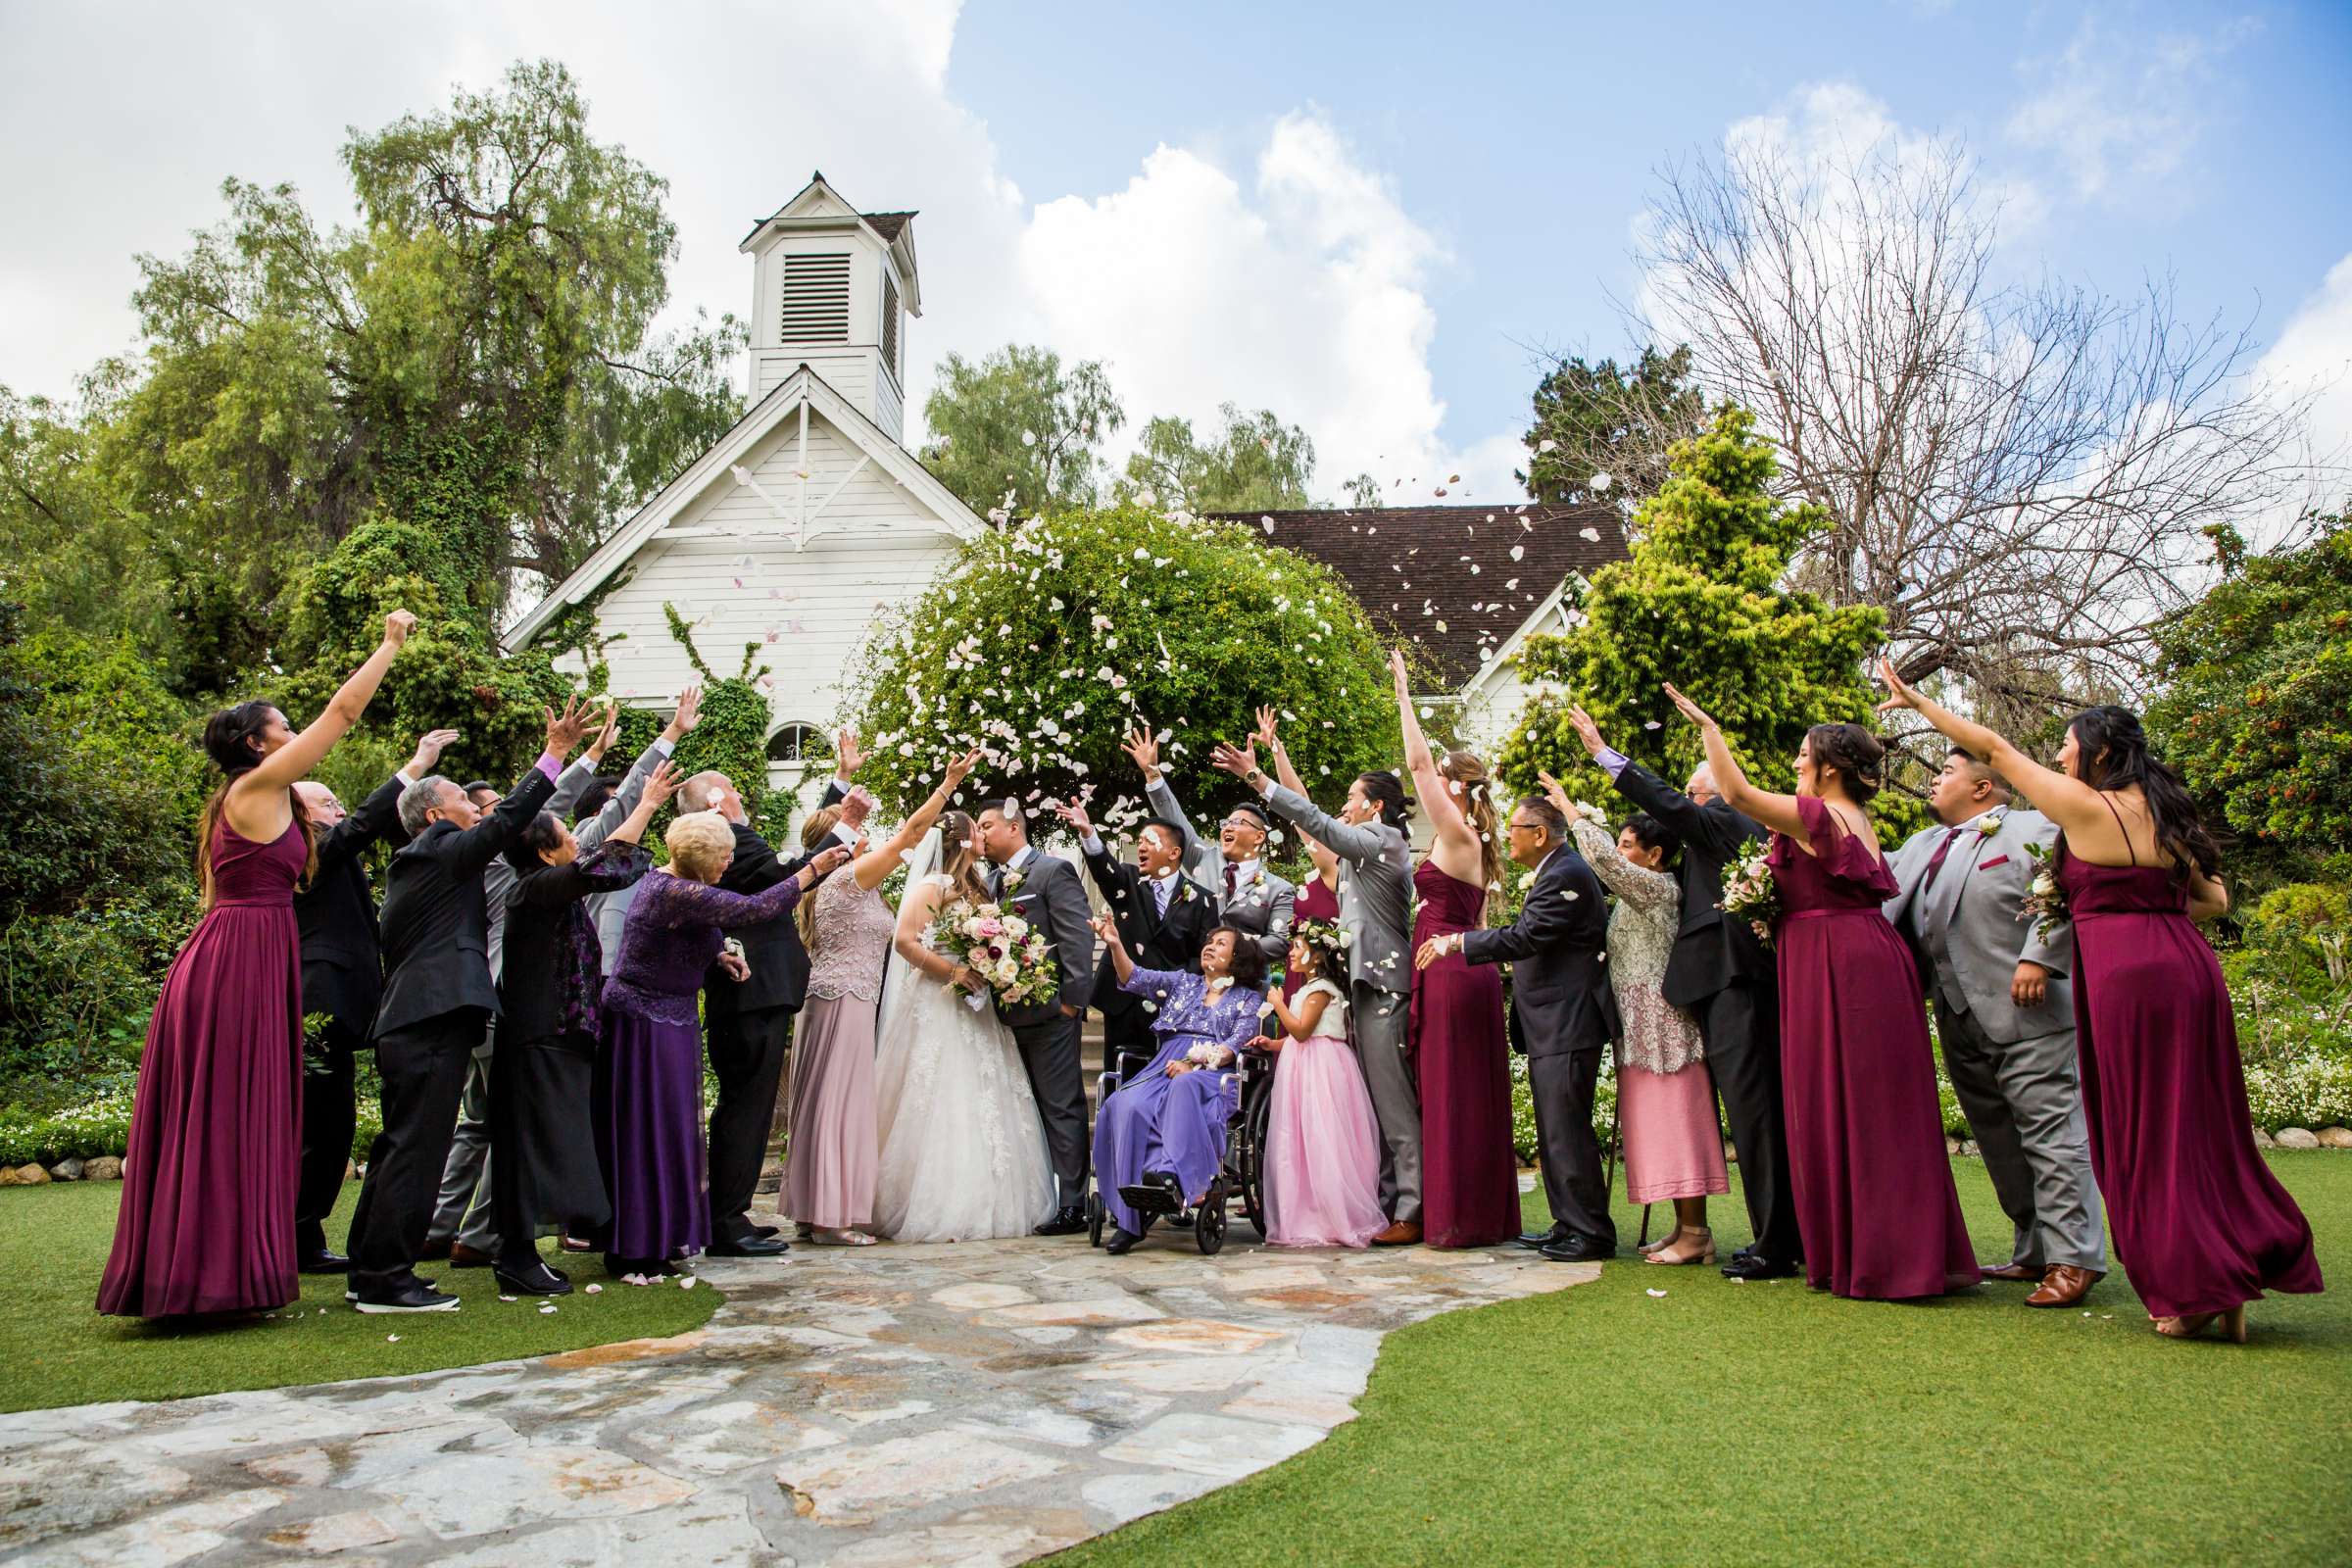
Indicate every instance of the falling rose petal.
{"type": "Point", "coordinates": [686, 1281]}
{"type": "Point", "coordinates": [1602, 482]}
{"type": "Point", "coordinates": [595, 1290]}
{"type": "Point", "coordinates": [1518, 552]}
{"type": "Point", "coordinates": [1547, 446]}
{"type": "Point", "coordinates": [547, 1310]}
{"type": "Point", "coordinates": [1266, 523]}
{"type": "Point", "coordinates": [1651, 723]}
{"type": "Point", "coordinates": [1658, 1292]}
{"type": "Point", "coordinates": [506, 1297]}
{"type": "Point", "coordinates": [1589, 535]}
{"type": "Point", "coordinates": [391, 1339]}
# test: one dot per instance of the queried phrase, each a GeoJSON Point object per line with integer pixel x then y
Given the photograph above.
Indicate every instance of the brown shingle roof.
{"type": "Point", "coordinates": [1444, 576]}
{"type": "Point", "coordinates": [887, 224]}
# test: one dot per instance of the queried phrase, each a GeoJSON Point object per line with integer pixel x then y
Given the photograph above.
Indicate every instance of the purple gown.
{"type": "Point", "coordinates": [1158, 1123]}
{"type": "Point", "coordinates": [207, 1219]}
{"type": "Point", "coordinates": [2200, 1223]}
{"type": "Point", "coordinates": [1461, 1056]}
{"type": "Point", "coordinates": [1873, 1181]}
{"type": "Point", "coordinates": [648, 1092]}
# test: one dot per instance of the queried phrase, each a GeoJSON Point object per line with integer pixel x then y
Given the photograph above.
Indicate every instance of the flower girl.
{"type": "Point", "coordinates": [1322, 1142]}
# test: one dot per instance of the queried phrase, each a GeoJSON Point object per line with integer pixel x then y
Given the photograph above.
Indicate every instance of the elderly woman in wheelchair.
{"type": "Point", "coordinates": [1161, 1137]}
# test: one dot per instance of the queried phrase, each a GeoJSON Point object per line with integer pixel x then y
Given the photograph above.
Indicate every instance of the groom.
{"type": "Point", "coordinates": [1044, 890]}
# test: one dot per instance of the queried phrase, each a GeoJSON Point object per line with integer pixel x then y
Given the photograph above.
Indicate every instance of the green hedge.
{"type": "Point", "coordinates": [102, 1126]}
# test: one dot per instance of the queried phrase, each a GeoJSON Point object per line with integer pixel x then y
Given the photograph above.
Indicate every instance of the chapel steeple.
{"type": "Point", "coordinates": [832, 289]}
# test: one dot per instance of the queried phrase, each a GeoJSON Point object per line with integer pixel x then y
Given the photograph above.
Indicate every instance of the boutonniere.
{"type": "Point", "coordinates": [1989, 825]}
{"type": "Point", "coordinates": [1013, 881]}
{"type": "Point", "coordinates": [1186, 893]}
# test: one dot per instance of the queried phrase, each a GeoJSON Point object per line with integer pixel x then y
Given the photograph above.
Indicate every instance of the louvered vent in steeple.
{"type": "Point", "coordinates": [816, 300]}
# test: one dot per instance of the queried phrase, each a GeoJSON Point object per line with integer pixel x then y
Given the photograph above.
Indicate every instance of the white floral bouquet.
{"type": "Point", "coordinates": [2044, 903]}
{"type": "Point", "coordinates": [1002, 947]}
{"type": "Point", "coordinates": [1751, 894]}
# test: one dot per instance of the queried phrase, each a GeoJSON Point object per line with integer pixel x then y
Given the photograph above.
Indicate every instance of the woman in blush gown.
{"type": "Point", "coordinates": [1875, 1200]}
{"type": "Point", "coordinates": [2201, 1226]}
{"type": "Point", "coordinates": [207, 1216]}
{"type": "Point", "coordinates": [1469, 1171]}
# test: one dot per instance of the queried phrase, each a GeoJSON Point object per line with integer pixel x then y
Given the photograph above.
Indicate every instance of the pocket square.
{"type": "Point", "coordinates": [1987, 865]}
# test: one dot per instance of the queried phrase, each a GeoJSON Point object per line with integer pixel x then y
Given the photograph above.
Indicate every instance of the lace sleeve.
{"type": "Point", "coordinates": [1636, 885]}
{"type": "Point", "coordinates": [676, 900]}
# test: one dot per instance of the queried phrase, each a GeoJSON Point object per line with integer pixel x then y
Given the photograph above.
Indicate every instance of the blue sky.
{"type": "Point", "coordinates": [1525, 135]}
{"type": "Point", "coordinates": [1357, 216]}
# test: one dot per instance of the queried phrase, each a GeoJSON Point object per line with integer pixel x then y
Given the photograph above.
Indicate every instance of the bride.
{"type": "Point", "coordinates": [964, 1150]}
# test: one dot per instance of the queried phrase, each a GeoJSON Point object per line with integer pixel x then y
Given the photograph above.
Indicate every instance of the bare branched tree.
{"type": "Point", "coordinates": [2019, 474]}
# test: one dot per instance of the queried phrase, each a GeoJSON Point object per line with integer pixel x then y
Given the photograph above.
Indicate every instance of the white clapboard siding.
{"type": "Point", "coordinates": [861, 496]}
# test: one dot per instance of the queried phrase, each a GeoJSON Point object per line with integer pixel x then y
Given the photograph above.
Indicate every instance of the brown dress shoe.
{"type": "Point", "coordinates": [2063, 1286]}
{"type": "Point", "coordinates": [1404, 1233]}
{"type": "Point", "coordinates": [463, 1256]}
{"type": "Point", "coordinates": [2015, 1273]}
{"type": "Point", "coordinates": [433, 1252]}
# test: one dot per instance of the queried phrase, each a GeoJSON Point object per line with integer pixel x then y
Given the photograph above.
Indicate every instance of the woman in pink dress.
{"type": "Point", "coordinates": [2201, 1225]}
{"type": "Point", "coordinates": [1874, 1201]}
{"type": "Point", "coordinates": [830, 1154]}
{"type": "Point", "coordinates": [207, 1217]}
{"type": "Point", "coordinates": [1322, 1140]}
{"type": "Point", "coordinates": [1469, 1170]}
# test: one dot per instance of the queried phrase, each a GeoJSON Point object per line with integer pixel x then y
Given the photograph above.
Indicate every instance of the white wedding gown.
{"type": "Point", "coordinates": [962, 1147]}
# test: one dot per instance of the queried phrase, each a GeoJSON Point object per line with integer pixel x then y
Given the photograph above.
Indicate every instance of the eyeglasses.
{"type": "Point", "coordinates": [1249, 822]}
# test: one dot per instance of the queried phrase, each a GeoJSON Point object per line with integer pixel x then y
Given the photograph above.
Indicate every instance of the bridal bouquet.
{"type": "Point", "coordinates": [1016, 960]}
{"type": "Point", "coordinates": [1751, 894]}
{"type": "Point", "coordinates": [2044, 903]}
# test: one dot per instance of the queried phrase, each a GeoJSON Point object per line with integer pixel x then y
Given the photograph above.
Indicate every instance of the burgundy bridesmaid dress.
{"type": "Point", "coordinates": [1469, 1174]}
{"type": "Point", "coordinates": [1875, 1200]}
{"type": "Point", "coordinates": [2200, 1223]}
{"type": "Point", "coordinates": [207, 1221]}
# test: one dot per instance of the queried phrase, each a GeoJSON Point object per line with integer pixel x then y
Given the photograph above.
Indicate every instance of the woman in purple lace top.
{"type": "Point", "coordinates": [649, 1098]}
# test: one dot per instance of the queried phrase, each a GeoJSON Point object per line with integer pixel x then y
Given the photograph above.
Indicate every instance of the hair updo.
{"type": "Point", "coordinates": [1858, 757]}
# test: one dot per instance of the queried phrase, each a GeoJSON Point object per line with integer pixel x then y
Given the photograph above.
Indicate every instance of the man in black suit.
{"type": "Point", "coordinates": [1722, 975]}
{"type": "Point", "coordinates": [343, 978]}
{"type": "Point", "coordinates": [1163, 917]}
{"type": "Point", "coordinates": [747, 1023]}
{"type": "Point", "coordinates": [438, 1001]}
{"type": "Point", "coordinates": [1047, 891]}
{"type": "Point", "coordinates": [1563, 1017]}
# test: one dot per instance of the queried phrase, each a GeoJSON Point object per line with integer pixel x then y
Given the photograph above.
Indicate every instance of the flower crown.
{"type": "Point", "coordinates": [1324, 937]}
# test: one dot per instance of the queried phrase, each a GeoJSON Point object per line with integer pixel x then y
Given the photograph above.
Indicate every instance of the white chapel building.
{"type": "Point", "coordinates": [810, 519]}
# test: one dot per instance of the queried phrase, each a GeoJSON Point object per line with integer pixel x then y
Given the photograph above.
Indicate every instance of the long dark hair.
{"type": "Point", "coordinates": [1387, 792]}
{"type": "Point", "coordinates": [232, 740]}
{"type": "Point", "coordinates": [1248, 966]}
{"type": "Point", "coordinates": [2115, 756]}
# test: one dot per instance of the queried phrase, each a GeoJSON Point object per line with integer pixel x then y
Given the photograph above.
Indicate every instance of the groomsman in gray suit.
{"type": "Point", "coordinates": [1250, 898]}
{"type": "Point", "coordinates": [1376, 901]}
{"type": "Point", "coordinates": [2005, 1015]}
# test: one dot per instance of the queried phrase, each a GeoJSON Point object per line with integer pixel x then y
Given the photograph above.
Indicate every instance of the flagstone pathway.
{"type": "Point", "coordinates": [980, 1403]}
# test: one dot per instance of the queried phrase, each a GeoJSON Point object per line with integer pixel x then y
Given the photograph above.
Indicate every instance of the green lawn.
{"type": "Point", "coordinates": [55, 1349]}
{"type": "Point", "coordinates": [1726, 1423]}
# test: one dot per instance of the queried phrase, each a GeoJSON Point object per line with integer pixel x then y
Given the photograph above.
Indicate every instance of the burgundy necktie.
{"type": "Point", "coordinates": [1942, 850]}
{"type": "Point", "coordinates": [1231, 871]}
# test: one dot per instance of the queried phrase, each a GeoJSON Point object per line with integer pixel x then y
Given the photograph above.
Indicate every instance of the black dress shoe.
{"type": "Point", "coordinates": [1069, 1221]}
{"type": "Point", "coordinates": [1575, 1248]}
{"type": "Point", "coordinates": [415, 1297]}
{"type": "Point", "coordinates": [748, 1247]}
{"type": "Point", "coordinates": [1541, 1239]}
{"type": "Point", "coordinates": [536, 1279]}
{"type": "Point", "coordinates": [324, 1262]}
{"type": "Point", "coordinates": [1121, 1243]}
{"type": "Point", "coordinates": [1751, 1266]}
{"type": "Point", "coordinates": [767, 1230]}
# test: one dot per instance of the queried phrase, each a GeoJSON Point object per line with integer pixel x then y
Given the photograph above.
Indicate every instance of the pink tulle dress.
{"type": "Point", "coordinates": [1322, 1142]}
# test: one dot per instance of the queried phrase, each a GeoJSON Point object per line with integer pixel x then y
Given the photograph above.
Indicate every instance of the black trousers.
{"type": "Point", "coordinates": [423, 1069]}
{"type": "Point", "coordinates": [328, 1115]}
{"type": "Point", "coordinates": [542, 1144]}
{"type": "Point", "coordinates": [1567, 1149]}
{"type": "Point", "coordinates": [1741, 1027]}
{"type": "Point", "coordinates": [1049, 1052]}
{"type": "Point", "coordinates": [747, 1051]}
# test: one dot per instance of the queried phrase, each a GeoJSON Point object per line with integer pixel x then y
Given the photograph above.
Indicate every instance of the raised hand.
{"type": "Point", "coordinates": [1072, 812]}
{"type": "Point", "coordinates": [602, 742]}
{"type": "Point", "coordinates": [430, 747]}
{"type": "Point", "coordinates": [958, 768]}
{"type": "Point", "coordinates": [663, 782]}
{"type": "Point", "coordinates": [1557, 794]}
{"type": "Point", "coordinates": [824, 865]}
{"type": "Point", "coordinates": [1107, 929]}
{"type": "Point", "coordinates": [1586, 730]}
{"type": "Point", "coordinates": [855, 807]}
{"type": "Point", "coordinates": [564, 729]}
{"type": "Point", "coordinates": [1140, 745]}
{"type": "Point", "coordinates": [1688, 709]}
{"type": "Point", "coordinates": [1267, 733]}
{"type": "Point", "coordinates": [397, 627]}
{"type": "Point", "coordinates": [690, 713]}
{"type": "Point", "coordinates": [1240, 762]}
{"type": "Point", "coordinates": [1402, 676]}
{"type": "Point", "coordinates": [1899, 691]}
{"type": "Point", "coordinates": [847, 756]}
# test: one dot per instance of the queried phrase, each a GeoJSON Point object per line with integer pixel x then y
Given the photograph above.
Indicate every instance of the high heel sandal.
{"type": "Point", "coordinates": [826, 1236]}
{"type": "Point", "coordinates": [1705, 1254]}
{"type": "Point", "coordinates": [1661, 1243]}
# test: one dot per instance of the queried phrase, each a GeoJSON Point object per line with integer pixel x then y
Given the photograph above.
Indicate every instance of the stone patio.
{"type": "Point", "coordinates": [980, 1403]}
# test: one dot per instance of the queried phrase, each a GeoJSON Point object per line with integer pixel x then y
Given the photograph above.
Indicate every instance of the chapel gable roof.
{"type": "Point", "coordinates": [1444, 577]}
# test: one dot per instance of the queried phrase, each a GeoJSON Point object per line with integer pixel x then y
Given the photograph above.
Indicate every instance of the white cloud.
{"type": "Point", "coordinates": [2120, 111]}
{"type": "Point", "coordinates": [1301, 285]}
{"type": "Point", "coordinates": [2313, 358]}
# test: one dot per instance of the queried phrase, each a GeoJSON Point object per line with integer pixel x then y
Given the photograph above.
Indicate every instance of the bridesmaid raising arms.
{"type": "Point", "coordinates": [1469, 1174]}
{"type": "Point", "coordinates": [1875, 1202]}
{"type": "Point", "coordinates": [2201, 1225]}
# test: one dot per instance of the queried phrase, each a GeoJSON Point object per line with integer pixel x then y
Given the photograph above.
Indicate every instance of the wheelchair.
{"type": "Point", "coordinates": [1244, 1175]}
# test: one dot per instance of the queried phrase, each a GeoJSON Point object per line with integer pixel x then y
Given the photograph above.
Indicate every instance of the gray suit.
{"type": "Point", "coordinates": [1376, 902]}
{"type": "Point", "coordinates": [1262, 906]}
{"type": "Point", "coordinates": [2013, 1068]}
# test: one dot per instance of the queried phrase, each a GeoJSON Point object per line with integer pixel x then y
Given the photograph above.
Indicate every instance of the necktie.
{"type": "Point", "coordinates": [1230, 872]}
{"type": "Point", "coordinates": [1942, 850]}
{"type": "Point", "coordinates": [1159, 893]}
